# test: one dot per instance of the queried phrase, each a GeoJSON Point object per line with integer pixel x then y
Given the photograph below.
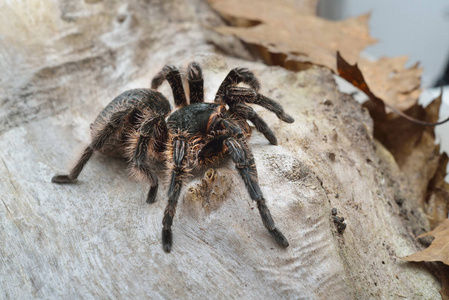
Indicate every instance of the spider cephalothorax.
{"type": "Point", "coordinates": [138, 125]}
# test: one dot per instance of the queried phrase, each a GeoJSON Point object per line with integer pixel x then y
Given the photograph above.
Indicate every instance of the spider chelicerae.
{"type": "Point", "coordinates": [140, 126]}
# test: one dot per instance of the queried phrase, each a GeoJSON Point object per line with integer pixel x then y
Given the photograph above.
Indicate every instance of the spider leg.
{"type": "Point", "coordinates": [236, 76]}
{"type": "Point", "coordinates": [244, 162]}
{"type": "Point", "coordinates": [98, 142]}
{"type": "Point", "coordinates": [152, 178]}
{"type": "Point", "coordinates": [151, 135]}
{"type": "Point", "coordinates": [76, 170]}
{"type": "Point", "coordinates": [173, 76]}
{"type": "Point", "coordinates": [248, 113]}
{"type": "Point", "coordinates": [178, 173]}
{"type": "Point", "coordinates": [236, 94]}
{"type": "Point", "coordinates": [150, 175]}
{"type": "Point", "coordinates": [195, 78]}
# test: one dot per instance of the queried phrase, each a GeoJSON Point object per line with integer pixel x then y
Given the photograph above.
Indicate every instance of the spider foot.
{"type": "Point", "coordinates": [62, 179]}
{"type": "Point", "coordinates": [194, 71]}
{"type": "Point", "coordinates": [246, 76]}
{"type": "Point", "coordinates": [279, 237]}
{"type": "Point", "coordinates": [269, 135]}
{"type": "Point", "coordinates": [286, 118]}
{"type": "Point", "coordinates": [167, 240]}
{"type": "Point", "coordinates": [151, 198]}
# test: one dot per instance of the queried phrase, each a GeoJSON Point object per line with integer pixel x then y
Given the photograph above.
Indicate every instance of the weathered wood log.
{"type": "Point", "coordinates": [99, 239]}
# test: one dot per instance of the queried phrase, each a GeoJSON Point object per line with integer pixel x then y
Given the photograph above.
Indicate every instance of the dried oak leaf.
{"type": "Point", "coordinates": [392, 81]}
{"type": "Point", "coordinates": [412, 145]}
{"type": "Point", "coordinates": [352, 73]}
{"type": "Point", "coordinates": [289, 37]}
{"type": "Point", "coordinates": [436, 203]}
{"type": "Point", "coordinates": [444, 283]}
{"type": "Point", "coordinates": [288, 33]}
{"type": "Point", "coordinates": [438, 250]}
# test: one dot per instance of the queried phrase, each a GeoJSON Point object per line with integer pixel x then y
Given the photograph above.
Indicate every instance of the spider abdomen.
{"type": "Point", "coordinates": [139, 100]}
{"type": "Point", "coordinates": [127, 111]}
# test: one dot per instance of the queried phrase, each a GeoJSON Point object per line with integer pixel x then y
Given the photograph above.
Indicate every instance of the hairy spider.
{"type": "Point", "coordinates": [138, 126]}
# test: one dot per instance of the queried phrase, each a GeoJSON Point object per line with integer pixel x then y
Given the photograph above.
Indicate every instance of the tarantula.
{"type": "Point", "coordinates": [139, 126]}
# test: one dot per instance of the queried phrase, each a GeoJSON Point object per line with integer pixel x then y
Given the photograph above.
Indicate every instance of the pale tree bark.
{"type": "Point", "coordinates": [99, 239]}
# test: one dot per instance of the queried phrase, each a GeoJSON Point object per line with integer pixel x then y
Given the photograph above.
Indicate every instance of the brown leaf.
{"type": "Point", "coordinates": [260, 10]}
{"type": "Point", "coordinates": [402, 137]}
{"type": "Point", "coordinates": [376, 105]}
{"type": "Point", "coordinates": [437, 200]}
{"type": "Point", "coordinates": [413, 147]}
{"type": "Point", "coordinates": [293, 38]}
{"type": "Point", "coordinates": [438, 250]}
{"type": "Point", "coordinates": [353, 74]}
{"type": "Point", "coordinates": [287, 33]}
{"type": "Point", "coordinates": [444, 292]}
{"type": "Point", "coordinates": [396, 85]}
